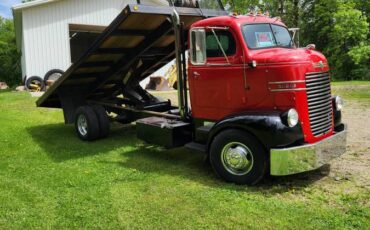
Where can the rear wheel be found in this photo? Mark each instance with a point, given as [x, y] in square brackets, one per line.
[238, 157]
[103, 119]
[87, 124]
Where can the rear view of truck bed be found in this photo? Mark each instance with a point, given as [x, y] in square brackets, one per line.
[136, 44]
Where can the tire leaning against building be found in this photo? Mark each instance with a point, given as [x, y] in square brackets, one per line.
[35, 80]
[53, 75]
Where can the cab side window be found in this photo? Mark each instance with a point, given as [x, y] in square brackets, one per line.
[225, 38]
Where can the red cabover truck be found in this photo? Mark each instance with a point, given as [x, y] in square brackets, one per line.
[258, 105]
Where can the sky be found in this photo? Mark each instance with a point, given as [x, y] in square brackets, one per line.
[5, 7]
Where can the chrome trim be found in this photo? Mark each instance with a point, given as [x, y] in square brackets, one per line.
[319, 103]
[217, 28]
[319, 98]
[321, 112]
[315, 83]
[324, 129]
[285, 82]
[82, 125]
[218, 64]
[316, 94]
[321, 86]
[287, 161]
[316, 89]
[322, 123]
[313, 80]
[314, 74]
[287, 90]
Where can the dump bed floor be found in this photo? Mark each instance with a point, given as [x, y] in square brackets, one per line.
[136, 44]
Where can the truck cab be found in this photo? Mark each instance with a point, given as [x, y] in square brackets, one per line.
[247, 77]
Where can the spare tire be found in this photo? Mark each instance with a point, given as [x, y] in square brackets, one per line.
[53, 75]
[35, 84]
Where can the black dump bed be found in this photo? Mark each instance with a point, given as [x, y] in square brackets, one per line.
[136, 44]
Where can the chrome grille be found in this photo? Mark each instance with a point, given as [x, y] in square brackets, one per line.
[319, 102]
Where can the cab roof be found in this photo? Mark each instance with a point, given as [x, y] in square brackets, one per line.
[238, 20]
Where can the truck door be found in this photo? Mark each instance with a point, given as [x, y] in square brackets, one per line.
[215, 74]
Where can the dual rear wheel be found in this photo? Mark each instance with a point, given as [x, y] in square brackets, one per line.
[92, 123]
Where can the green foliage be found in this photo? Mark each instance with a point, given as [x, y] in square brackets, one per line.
[10, 71]
[348, 48]
[339, 28]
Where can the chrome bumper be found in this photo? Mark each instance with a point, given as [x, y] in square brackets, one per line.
[308, 157]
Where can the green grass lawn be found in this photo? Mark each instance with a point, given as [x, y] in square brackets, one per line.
[49, 179]
[359, 90]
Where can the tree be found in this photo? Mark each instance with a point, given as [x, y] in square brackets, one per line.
[339, 28]
[348, 48]
[9, 56]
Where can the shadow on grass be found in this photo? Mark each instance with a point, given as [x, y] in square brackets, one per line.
[61, 143]
[185, 164]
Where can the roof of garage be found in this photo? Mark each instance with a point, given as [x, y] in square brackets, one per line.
[22, 6]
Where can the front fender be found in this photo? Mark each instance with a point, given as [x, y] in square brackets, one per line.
[267, 127]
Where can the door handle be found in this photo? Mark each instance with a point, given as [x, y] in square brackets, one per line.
[196, 74]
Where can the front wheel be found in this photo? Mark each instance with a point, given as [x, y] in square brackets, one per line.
[238, 157]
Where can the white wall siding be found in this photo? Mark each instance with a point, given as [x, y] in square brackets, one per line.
[46, 30]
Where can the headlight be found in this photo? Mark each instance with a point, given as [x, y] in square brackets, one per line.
[292, 118]
[339, 103]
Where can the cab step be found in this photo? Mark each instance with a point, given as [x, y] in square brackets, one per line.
[202, 132]
[196, 147]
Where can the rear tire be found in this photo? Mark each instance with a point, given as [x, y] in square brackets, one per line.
[238, 157]
[103, 119]
[87, 124]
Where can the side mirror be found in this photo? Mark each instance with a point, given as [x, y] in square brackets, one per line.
[311, 47]
[198, 54]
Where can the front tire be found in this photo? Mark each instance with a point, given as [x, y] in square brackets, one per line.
[238, 157]
[87, 124]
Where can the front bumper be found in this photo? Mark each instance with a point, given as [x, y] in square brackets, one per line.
[287, 161]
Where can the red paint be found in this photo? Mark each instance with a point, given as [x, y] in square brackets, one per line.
[218, 91]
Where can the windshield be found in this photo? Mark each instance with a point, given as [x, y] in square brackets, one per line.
[266, 36]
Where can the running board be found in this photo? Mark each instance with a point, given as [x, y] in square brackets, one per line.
[196, 147]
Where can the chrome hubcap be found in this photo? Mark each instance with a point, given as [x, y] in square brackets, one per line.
[82, 125]
[237, 158]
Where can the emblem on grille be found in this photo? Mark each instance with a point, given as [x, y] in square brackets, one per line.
[320, 64]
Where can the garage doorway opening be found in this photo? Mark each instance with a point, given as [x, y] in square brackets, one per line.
[81, 37]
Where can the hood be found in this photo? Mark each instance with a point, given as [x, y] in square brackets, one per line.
[286, 56]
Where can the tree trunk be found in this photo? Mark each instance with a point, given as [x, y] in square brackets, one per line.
[296, 13]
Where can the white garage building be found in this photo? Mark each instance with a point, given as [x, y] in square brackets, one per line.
[52, 34]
